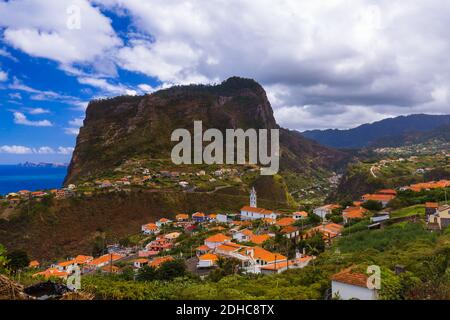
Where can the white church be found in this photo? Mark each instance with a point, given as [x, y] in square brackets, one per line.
[252, 212]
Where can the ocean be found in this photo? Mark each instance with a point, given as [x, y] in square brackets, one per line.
[14, 178]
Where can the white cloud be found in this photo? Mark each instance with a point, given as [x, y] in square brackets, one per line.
[72, 131]
[40, 28]
[77, 122]
[20, 118]
[15, 149]
[106, 87]
[65, 150]
[35, 111]
[385, 57]
[3, 76]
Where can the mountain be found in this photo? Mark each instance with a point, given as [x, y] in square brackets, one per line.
[367, 134]
[440, 135]
[123, 128]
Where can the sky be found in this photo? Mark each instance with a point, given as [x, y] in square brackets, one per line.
[324, 63]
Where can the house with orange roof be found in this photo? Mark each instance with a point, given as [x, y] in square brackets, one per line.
[243, 235]
[82, 260]
[353, 213]
[212, 217]
[284, 222]
[349, 285]
[181, 217]
[103, 260]
[325, 210]
[162, 222]
[290, 232]
[207, 260]
[140, 263]
[382, 198]
[202, 249]
[159, 244]
[261, 257]
[297, 263]
[157, 262]
[216, 240]
[150, 229]
[34, 264]
[110, 269]
[431, 208]
[391, 192]
[253, 213]
[299, 215]
[328, 230]
[66, 266]
[172, 236]
[52, 273]
[199, 217]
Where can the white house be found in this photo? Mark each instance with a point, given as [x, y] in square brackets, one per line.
[149, 229]
[207, 260]
[162, 222]
[324, 210]
[252, 212]
[347, 285]
[243, 235]
[222, 218]
[216, 240]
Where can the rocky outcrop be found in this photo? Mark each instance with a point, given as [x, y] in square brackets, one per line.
[125, 127]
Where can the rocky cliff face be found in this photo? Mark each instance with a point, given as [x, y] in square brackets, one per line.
[125, 127]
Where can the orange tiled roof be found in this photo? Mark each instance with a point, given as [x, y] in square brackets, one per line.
[105, 258]
[203, 248]
[354, 212]
[80, 259]
[198, 214]
[229, 246]
[182, 216]
[388, 191]
[301, 213]
[283, 222]
[256, 210]
[66, 263]
[164, 220]
[150, 226]
[141, 260]
[209, 256]
[262, 254]
[433, 205]
[157, 262]
[348, 277]
[289, 229]
[34, 264]
[378, 197]
[218, 238]
[259, 239]
[51, 272]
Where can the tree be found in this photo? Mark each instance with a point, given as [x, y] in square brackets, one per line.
[372, 205]
[225, 267]
[3, 259]
[18, 260]
[147, 273]
[170, 270]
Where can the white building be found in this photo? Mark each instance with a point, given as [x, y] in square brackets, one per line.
[252, 212]
[347, 285]
[324, 210]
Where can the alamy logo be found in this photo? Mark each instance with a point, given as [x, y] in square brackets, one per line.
[229, 150]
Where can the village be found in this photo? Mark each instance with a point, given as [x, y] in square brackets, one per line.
[249, 238]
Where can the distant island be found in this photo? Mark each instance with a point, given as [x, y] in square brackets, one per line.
[43, 165]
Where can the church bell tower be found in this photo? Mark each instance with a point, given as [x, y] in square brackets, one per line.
[253, 202]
